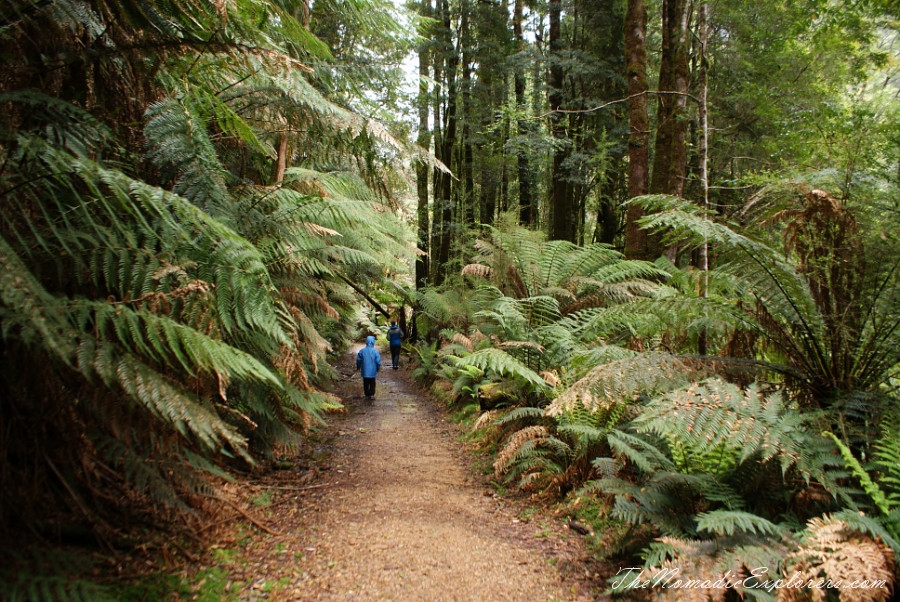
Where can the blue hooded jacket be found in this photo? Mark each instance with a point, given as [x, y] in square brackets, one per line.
[368, 360]
[395, 335]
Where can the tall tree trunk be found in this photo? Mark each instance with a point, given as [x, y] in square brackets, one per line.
[443, 195]
[607, 217]
[670, 158]
[437, 175]
[639, 125]
[703, 151]
[467, 200]
[563, 219]
[527, 209]
[422, 171]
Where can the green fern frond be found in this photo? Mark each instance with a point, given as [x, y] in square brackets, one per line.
[31, 312]
[501, 363]
[180, 146]
[623, 380]
[714, 418]
[48, 576]
[888, 533]
[163, 398]
[643, 454]
[727, 522]
[168, 342]
[869, 485]
[521, 413]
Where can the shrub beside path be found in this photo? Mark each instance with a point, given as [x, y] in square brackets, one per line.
[393, 513]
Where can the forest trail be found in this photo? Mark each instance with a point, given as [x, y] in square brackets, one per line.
[394, 514]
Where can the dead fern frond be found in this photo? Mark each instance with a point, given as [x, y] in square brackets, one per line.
[461, 339]
[552, 378]
[861, 568]
[478, 270]
[521, 345]
[682, 570]
[486, 420]
[515, 442]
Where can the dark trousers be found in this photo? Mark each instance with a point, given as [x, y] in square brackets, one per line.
[395, 355]
[369, 386]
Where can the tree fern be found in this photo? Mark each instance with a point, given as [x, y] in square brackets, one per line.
[831, 322]
[151, 266]
[501, 363]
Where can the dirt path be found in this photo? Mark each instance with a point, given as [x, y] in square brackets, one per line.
[395, 515]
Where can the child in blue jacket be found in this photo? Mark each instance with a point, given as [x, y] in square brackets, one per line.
[368, 360]
[395, 338]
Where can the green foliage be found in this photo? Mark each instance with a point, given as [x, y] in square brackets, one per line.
[823, 307]
[727, 522]
[48, 576]
[499, 362]
[624, 380]
[879, 484]
[869, 486]
[705, 453]
[576, 277]
[713, 426]
[168, 293]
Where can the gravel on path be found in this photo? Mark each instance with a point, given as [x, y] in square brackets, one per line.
[395, 514]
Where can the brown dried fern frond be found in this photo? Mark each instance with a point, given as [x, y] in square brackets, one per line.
[515, 443]
[698, 573]
[621, 381]
[859, 567]
[461, 339]
[291, 364]
[550, 377]
[585, 302]
[319, 230]
[478, 270]
[306, 300]
[486, 420]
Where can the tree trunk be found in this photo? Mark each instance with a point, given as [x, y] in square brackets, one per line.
[527, 209]
[281, 165]
[639, 130]
[422, 170]
[563, 219]
[467, 199]
[443, 195]
[670, 158]
[703, 151]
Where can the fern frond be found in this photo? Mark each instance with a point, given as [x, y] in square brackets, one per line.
[727, 522]
[832, 550]
[530, 435]
[521, 413]
[501, 363]
[717, 424]
[643, 454]
[869, 486]
[623, 380]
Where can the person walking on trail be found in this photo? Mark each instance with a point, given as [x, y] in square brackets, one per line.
[395, 338]
[368, 360]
